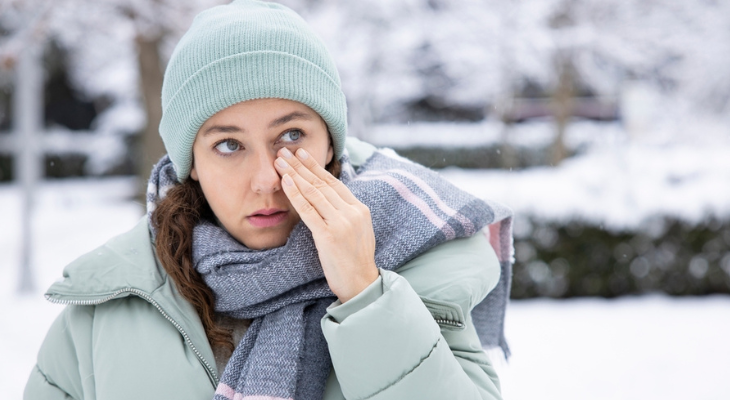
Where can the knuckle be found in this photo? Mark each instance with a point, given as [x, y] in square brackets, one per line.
[296, 164]
[292, 172]
[310, 191]
[318, 183]
[309, 162]
[330, 180]
[306, 208]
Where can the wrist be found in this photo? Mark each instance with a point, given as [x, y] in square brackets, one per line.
[358, 284]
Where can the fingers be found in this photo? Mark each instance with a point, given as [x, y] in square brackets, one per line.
[302, 191]
[311, 184]
[306, 211]
[319, 172]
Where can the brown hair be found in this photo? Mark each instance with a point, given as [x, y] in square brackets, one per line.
[174, 219]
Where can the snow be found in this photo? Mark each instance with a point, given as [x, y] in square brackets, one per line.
[468, 53]
[616, 181]
[72, 217]
[486, 133]
[652, 347]
[472, 52]
[630, 348]
[619, 188]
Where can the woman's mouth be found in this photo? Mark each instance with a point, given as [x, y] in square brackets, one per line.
[268, 217]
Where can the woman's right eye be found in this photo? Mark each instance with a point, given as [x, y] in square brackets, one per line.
[228, 146]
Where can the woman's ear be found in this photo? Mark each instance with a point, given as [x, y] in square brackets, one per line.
[330, 150]
[193, 172]
[330, 154]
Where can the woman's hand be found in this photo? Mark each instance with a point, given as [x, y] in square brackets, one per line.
[341, 225]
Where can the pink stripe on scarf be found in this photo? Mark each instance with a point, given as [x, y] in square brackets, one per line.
[494, 235]
[225, 391]
[411, 197]
[228, 392]
[468, 226]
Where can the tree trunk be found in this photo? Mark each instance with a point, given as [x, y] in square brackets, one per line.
[28, 126]
[562, 104]
[150, 146]
[508, 155]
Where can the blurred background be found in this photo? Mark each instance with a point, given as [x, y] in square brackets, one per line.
[604, 125]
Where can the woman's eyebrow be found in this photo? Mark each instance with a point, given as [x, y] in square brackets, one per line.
[279, 121]
[222, 129]
[289, 117]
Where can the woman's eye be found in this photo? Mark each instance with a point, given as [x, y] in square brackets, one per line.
[227, 146]
[292, 135]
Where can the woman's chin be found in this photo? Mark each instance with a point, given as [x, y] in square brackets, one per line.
[265, 238]
[258, 244]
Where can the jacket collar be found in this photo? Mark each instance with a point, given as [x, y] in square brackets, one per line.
[127, 266]
[125, 261]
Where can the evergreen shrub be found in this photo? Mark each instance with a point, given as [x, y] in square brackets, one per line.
[580, 259]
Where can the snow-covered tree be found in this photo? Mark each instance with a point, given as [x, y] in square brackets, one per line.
[117, 50]
[471, 53]
[465, 57]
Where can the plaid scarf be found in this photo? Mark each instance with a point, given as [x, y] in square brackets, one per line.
[283, 354]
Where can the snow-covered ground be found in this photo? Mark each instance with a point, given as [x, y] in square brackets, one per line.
[618, 188]
[72, 217]
[652, 347]
[641, 348]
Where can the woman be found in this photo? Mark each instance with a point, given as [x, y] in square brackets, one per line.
[257, 273]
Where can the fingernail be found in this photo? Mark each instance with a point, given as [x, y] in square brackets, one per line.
[281, 163]
[302, 154]
[286, 152]
[287, 180]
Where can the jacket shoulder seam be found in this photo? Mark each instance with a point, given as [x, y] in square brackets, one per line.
[49, 381]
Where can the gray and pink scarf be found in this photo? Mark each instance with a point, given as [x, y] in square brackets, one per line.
[283, 354]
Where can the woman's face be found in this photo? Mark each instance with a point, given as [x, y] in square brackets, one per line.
[233, 159]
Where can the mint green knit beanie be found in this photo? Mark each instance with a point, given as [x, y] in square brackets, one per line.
[243, 51]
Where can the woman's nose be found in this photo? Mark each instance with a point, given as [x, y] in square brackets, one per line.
[265, 179]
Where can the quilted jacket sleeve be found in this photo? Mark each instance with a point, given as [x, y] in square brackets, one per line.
[60, 366]
[385, 343]
[38, 387]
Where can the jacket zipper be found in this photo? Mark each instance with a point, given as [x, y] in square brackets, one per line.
[149, 299]
[450, 323]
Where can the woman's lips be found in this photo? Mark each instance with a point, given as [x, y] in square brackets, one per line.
[267, 218]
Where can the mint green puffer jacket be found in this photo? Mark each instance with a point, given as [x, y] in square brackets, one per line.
[127, 333]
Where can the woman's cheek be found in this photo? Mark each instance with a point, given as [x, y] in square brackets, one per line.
[319, 154]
